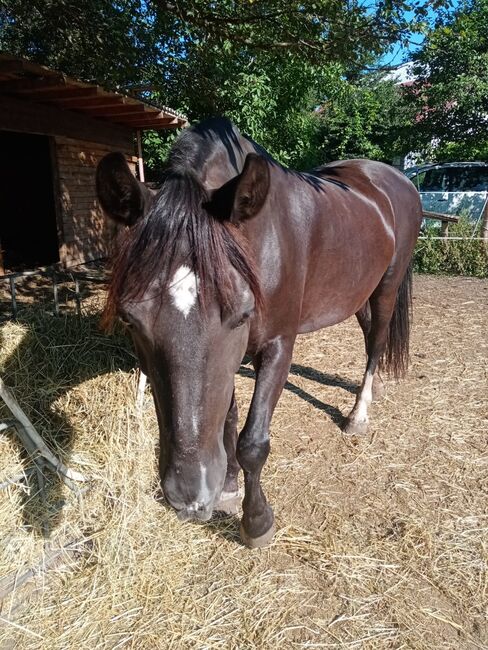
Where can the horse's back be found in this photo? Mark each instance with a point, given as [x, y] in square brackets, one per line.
[392, 194]
[345, 223]
[377, 181]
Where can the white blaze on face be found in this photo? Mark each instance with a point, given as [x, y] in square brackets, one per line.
[183, 289]
[195, 426]
[204, 492]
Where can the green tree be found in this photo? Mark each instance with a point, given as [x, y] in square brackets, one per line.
[364, 118]
[451, 94]
[267, 64]
[95, 40]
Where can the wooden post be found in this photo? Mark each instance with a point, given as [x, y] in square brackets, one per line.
[484, 225]
[77, 296]
[141, 384]
[13, 295]
[444, 228]
[140, 160]
[55, 295]
[2, 269]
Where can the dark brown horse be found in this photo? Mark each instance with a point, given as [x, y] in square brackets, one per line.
[234, 254]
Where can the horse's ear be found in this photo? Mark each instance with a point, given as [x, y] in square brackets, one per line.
[122, 197]
[244, 195]
[252, 188]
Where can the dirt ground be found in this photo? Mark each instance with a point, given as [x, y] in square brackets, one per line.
[381, 543]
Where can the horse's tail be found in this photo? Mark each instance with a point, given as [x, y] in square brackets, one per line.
[395, 358]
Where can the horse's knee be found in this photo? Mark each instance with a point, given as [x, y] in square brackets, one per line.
[232, 416]
[252, 453]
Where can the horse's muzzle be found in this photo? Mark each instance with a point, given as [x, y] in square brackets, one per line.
[196, 510]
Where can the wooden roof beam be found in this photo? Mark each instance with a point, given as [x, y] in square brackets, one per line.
[10, 66]
[112, 110]
[96, 100]
[156, 125]
[155, 118]
[20, 86]
[64, 93]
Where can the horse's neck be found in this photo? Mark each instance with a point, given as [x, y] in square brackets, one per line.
[225, 162]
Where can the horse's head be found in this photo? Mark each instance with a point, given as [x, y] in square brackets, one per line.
[185, 285]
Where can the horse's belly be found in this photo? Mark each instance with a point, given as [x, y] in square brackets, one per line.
[334, 296]
[327, 314]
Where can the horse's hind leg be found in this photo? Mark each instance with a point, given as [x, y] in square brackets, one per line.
[230, 498]
[388, 336]
[364, 320]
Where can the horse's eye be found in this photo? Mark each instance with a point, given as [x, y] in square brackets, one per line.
[125, 322]
[242, 319]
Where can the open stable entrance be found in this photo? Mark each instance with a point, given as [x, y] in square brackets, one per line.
[28, 225]
[53, 132]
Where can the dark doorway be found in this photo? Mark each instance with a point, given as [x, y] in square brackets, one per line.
[28, 230]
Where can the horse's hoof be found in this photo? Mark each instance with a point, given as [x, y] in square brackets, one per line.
[257, 542]
[354, 428]
[229, 503]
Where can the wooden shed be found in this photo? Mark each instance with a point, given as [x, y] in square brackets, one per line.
[53, 132]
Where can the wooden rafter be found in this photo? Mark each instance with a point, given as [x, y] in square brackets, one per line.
[20, 86]
[87, 102]
[25, 80]
[148, 117]
[109, 111]
[65, 93]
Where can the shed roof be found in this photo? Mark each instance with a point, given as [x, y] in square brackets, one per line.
[24, 79]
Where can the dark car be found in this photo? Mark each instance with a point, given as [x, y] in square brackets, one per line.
[458, 188]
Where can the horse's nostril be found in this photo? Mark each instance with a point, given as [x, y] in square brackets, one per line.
[196, 507]
[195, 510]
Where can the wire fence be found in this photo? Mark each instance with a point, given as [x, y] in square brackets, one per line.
[57, 275]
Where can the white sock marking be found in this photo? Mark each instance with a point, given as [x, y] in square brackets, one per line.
[183, 289]
[365, 398]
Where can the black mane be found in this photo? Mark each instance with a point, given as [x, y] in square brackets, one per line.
[177, 224]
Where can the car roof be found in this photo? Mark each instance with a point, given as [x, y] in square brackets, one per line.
[422, 168]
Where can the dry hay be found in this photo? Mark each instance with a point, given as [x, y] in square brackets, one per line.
[382, 542]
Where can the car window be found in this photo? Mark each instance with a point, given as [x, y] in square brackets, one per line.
[434, 181]
[418, 180]
[473, 180]
[453, 179]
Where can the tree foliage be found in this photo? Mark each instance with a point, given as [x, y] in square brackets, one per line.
[451, 94]
[95, 40]
[364, 118]
[318, 30]
[267, 64]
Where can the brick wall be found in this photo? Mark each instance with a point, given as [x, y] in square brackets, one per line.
[86, 233]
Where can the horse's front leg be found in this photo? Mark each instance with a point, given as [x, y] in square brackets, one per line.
[272, 366]
[230, 498]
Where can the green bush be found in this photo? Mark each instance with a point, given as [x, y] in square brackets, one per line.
[451, 257]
